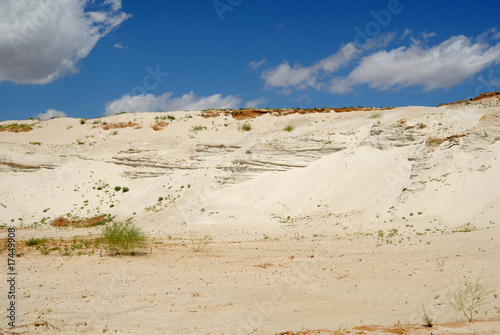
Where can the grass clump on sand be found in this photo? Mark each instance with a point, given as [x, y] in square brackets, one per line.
[123, 238]
[16, 128]
[245, 127]
[197, 128]
[200, 243]
[375, 116]
[288, 128]
[97, 220]
[36, 241]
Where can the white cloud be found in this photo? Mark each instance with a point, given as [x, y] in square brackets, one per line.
[256, 103]
[115, 4]
[426, 36]
[285, 76]
[51, 113]
[256, 65]
[43, 41]
[165, 102]
[119, 46]
[447, 64]
[432, 67]
[300, 77]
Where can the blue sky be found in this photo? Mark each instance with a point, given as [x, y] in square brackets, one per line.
[101, 57]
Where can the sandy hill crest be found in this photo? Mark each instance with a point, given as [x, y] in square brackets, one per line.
[366, 164]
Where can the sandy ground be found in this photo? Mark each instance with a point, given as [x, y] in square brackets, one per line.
[352, 222]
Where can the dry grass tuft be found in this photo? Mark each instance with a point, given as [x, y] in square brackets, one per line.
[16, 128]
[81, 222]
[119, 125]
[159, 126]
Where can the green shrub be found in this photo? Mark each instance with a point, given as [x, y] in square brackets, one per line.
[245, 127]
[36, 241]
[45, 250]
[288, 128]
[470, 298]
[36, 143]
[117, 188]
[125, 189]
[198, 128]
[123, 238]
[376, 116]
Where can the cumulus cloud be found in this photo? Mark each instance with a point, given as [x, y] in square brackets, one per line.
[442, 66]
[165, 102]
[51, 113]
[300, 77]
[42, 41]
[430, 67]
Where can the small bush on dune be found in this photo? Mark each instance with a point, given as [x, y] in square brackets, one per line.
[428, 321]
[36, 241]
[200, 243]
[197, 128]
[123, 238]
[245, 127]
[470, 298]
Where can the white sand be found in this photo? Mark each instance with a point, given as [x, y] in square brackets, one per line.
[319, 193]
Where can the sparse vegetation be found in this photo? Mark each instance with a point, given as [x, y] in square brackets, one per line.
[428, 321]
[440, 264]
[107, 126]
[288, 128]
[245, 127]
[470, 299]
[123, 238]
[16, 128]
[35, 241]
[375, 115]
[97, 220]
[197, 128]
[200, 243]
[159, 125]
[36, 143]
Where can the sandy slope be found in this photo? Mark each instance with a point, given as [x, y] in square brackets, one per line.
[295, 219]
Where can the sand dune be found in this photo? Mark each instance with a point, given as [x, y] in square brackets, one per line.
[296, 217]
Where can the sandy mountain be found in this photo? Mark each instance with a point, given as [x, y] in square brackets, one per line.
[318, 219]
